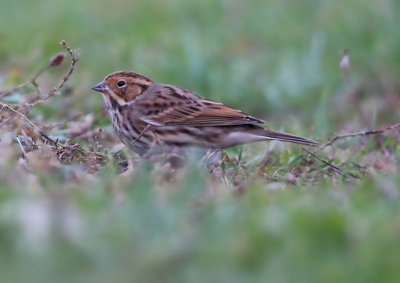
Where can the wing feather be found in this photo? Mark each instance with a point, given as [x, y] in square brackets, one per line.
[169, 105]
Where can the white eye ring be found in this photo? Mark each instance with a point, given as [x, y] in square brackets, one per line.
[121, 83]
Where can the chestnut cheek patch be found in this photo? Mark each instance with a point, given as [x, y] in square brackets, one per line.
[131, 92]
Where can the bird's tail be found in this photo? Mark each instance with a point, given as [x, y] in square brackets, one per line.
[273, 135]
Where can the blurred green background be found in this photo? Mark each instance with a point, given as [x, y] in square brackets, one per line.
[278, 60]
[274, 59]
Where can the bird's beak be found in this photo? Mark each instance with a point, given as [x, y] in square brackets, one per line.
[100, 87]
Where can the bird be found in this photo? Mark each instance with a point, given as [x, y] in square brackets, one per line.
[154, 118]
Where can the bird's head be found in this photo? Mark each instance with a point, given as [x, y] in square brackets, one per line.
[123, 86]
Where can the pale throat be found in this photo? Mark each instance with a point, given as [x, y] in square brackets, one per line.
[111, 98]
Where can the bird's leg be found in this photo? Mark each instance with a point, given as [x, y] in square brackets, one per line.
[151, 151]
[158, 141]
[153, 146]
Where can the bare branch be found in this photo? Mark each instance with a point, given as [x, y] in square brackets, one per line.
[357, 134]
[349, 135]
[31, 81]
[19, 114]
[65, 152]
[53, 91]
[22, 147]
[335, 168]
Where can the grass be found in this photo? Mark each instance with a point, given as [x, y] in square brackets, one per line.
[266, 212]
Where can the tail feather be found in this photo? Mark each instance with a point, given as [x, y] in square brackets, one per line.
[273, 135]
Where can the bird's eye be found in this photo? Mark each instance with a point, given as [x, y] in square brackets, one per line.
[121, 83]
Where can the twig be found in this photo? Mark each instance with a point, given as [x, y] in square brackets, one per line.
[335, 168]
[141, 134]
[48, 139]
[22, 148]
[31, 81]
[29, 122]
[51, 92]
[42, 133]
[2, 107]
[363, 169]
[65, 152]
[25, 108]
[357, 134]
[54, 61]
[338, 137]
[19, 114]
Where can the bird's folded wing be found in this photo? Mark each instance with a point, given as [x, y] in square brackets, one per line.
[175, 106]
